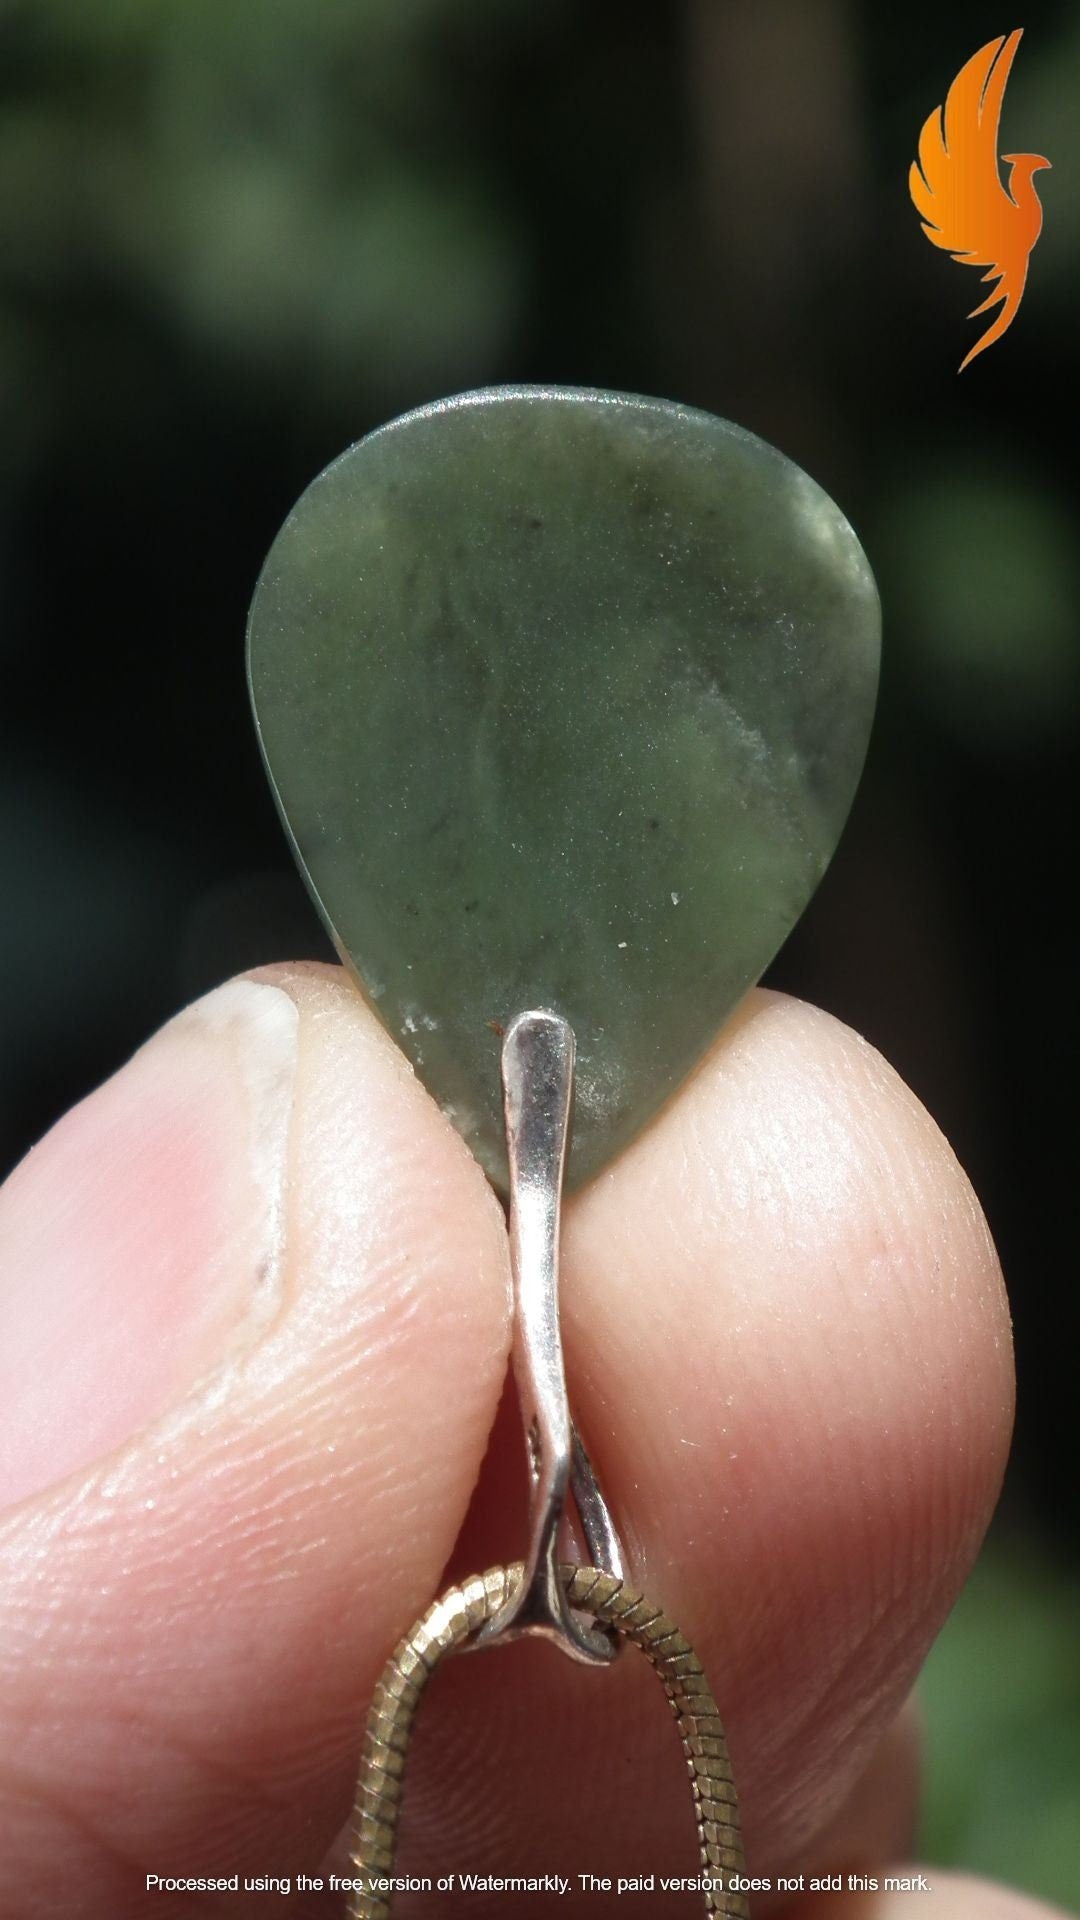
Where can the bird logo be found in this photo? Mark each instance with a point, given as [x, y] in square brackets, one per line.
[956, 186]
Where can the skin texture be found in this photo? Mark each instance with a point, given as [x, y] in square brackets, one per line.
[268, 1289]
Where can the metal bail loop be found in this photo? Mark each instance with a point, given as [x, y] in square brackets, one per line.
[538, 1085]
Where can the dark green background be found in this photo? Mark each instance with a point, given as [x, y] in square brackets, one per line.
[234, 238]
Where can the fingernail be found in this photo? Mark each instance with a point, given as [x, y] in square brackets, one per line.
[142, 1243]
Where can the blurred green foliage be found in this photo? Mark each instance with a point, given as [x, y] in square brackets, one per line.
[978, 568]
[1001, 1692]
[1042, 97]
[297, 190]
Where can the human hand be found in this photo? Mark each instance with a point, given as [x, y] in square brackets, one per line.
[255, 1328]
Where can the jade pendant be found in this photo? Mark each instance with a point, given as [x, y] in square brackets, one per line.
[564, 697]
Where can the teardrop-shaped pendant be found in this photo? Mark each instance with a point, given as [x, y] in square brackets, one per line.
[564, 697]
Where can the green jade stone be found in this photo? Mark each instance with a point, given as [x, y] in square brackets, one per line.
[564, 697]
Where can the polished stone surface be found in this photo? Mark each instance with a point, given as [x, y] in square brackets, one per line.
[564, 696]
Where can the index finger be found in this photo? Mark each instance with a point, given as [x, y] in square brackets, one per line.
[788, 1348]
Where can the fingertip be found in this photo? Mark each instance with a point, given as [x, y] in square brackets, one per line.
[141, 1237]
[788, 1338]
[223, 1578]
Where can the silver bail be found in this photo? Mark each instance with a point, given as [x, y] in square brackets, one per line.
[538, 1084]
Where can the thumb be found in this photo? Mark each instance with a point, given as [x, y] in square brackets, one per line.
[254, 1320]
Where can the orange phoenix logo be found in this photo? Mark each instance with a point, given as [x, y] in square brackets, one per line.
[956, 186]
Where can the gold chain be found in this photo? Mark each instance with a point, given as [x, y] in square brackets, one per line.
[447, 1623]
